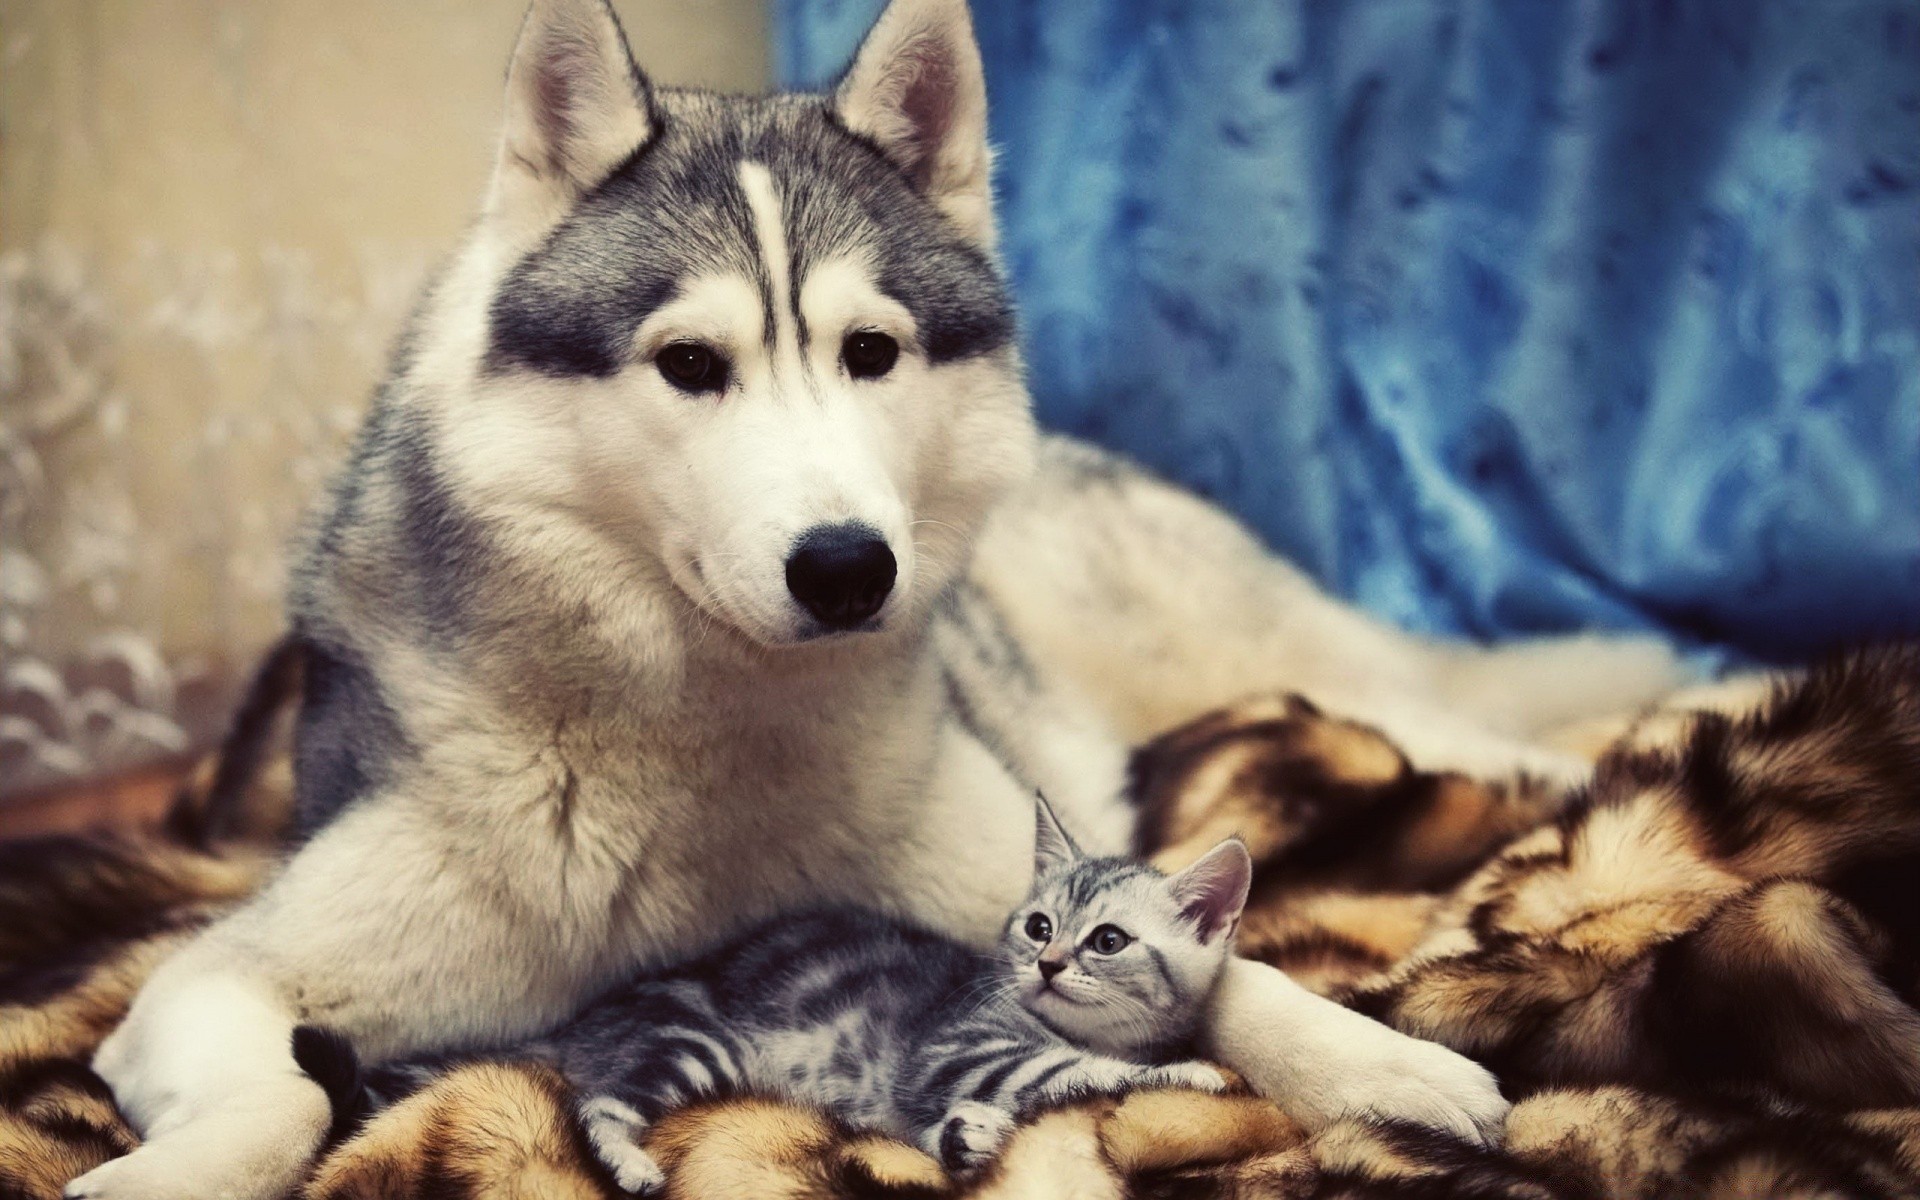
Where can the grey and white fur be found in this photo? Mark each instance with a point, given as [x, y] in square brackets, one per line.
[1098, 985]
[702, 520]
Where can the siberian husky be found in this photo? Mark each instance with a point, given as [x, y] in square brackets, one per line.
[699, 559]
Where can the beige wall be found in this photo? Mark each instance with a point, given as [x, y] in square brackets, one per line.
[213, 214]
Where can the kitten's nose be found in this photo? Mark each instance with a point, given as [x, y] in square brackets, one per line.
[1049, 967]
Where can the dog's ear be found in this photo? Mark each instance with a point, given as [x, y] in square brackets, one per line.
[576, 108]
[917, 89]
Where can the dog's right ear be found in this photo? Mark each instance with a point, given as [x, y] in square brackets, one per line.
[577, 107]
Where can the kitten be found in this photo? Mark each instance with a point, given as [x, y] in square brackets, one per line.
[1097, 986]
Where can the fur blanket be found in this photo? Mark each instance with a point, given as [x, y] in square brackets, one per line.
[1698, 976]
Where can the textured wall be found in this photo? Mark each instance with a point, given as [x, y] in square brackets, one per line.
[213, 214]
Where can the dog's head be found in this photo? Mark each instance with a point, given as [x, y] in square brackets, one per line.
[762, 342]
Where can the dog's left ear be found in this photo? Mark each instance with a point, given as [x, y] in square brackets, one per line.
[917, 89]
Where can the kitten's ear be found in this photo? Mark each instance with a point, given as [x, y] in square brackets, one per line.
[917, 89]
[576, 108]
[1212, 892]
[1052, 848]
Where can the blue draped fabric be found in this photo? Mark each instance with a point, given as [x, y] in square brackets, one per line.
[1501, 316]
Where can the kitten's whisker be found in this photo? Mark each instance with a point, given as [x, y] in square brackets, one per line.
[1002, 991]
[976, 994]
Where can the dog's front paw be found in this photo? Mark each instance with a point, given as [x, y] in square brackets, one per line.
[1387, 1074]
[98, 1184]
[1321, 1062]
[254, 1145]
[971, 1134]
[170, 1168]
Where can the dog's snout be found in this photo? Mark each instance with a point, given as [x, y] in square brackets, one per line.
[841, 573]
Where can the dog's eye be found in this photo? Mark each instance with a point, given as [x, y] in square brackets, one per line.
[1108, 939]
[1039, 928]
[869, 355]
[692, 367]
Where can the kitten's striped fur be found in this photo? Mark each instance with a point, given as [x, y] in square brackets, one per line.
[901, 1030]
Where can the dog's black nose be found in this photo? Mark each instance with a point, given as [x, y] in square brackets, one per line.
[1049, 967]
[841, 573]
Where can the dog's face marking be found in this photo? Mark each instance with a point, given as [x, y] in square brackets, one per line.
[781, 335]
[753, 323]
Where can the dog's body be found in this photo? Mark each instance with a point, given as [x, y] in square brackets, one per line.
[564, 714]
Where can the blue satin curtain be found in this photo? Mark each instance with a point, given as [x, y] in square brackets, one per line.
[1501, 316]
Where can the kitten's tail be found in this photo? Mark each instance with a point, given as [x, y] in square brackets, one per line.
[328, 1059]
[356, 1093]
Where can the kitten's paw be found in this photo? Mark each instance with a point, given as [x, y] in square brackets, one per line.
[614, 1128]
[1203, 1077]
[972, 1134]
[635, 1170]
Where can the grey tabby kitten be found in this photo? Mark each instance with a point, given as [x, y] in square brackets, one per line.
[1097, 987]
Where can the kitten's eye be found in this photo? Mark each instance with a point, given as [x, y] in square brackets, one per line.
[869, 355]
[692, 367]
[1108, 939]
[1039, 928]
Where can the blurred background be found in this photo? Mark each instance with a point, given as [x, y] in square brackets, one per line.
[1501, 316]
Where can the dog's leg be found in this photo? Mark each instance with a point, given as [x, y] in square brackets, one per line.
[1435, 739]
[377, 928]
[203, 1066]
[1320, 1061]
[1532, 686]
[1664, 724]
[1160, 606]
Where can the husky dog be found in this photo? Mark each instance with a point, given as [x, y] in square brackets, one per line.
[1099, 982]
[699, 561]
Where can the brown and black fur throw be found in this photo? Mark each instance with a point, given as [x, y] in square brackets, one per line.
[1699, 977]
